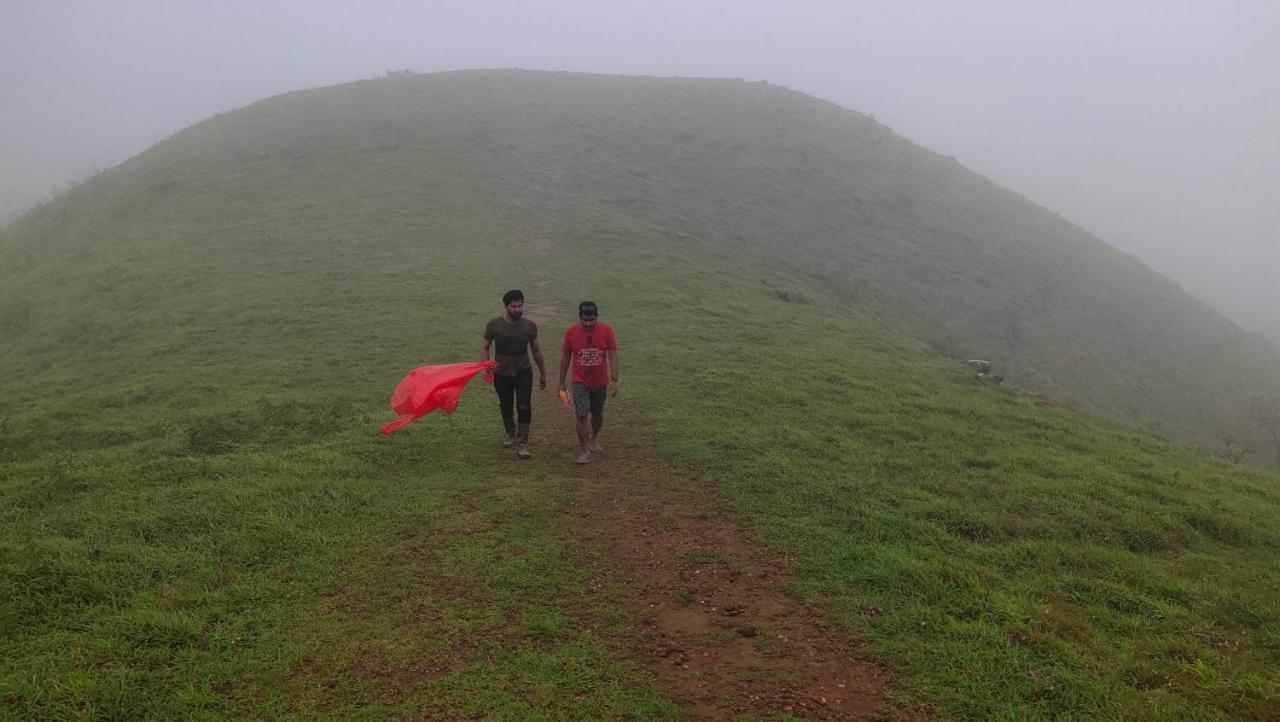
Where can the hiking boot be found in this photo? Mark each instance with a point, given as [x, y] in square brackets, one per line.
[584, 457]
[509, 440]
[523, 452]
[595, 446]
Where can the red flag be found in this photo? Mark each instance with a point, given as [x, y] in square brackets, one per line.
[428, 388]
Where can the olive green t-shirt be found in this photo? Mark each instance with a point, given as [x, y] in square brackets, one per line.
[511, 343]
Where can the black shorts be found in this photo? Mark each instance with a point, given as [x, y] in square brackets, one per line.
[585, 399]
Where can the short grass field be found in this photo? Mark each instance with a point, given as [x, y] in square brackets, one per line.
[198, 518]
[221, 532]
[1011, 557]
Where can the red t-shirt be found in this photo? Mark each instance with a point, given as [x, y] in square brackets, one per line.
[590, 367]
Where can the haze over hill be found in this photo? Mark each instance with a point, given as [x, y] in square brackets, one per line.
[199, 519]
[1146, 123]
[756, 171]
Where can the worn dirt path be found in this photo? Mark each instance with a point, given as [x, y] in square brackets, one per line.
[711, 620]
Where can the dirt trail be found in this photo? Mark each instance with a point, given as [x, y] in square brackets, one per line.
[711, 620]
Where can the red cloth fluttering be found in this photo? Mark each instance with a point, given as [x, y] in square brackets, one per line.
[428, 388]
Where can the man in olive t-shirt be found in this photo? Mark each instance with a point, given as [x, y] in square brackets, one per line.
[514, 336]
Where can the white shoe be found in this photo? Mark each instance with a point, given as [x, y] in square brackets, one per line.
[595, 446]
[584, 457]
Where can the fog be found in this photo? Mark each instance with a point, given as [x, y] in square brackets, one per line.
[1154, 124]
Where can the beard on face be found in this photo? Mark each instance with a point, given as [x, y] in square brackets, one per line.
[515, 315]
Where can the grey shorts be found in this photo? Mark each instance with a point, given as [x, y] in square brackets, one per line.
[585, 399]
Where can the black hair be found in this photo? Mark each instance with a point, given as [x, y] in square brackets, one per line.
[588, 308]
[512, 295]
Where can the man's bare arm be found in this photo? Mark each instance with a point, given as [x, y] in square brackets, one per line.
[484, 350]
[613, 371]
[564, 366]
[537, 359]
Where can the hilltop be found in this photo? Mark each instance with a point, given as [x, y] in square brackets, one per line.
[753, 171]
[198, 518]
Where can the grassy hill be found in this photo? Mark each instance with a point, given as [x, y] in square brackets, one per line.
[752, 171]
[198, 519]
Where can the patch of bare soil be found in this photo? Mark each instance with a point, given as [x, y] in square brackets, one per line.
[713, 622]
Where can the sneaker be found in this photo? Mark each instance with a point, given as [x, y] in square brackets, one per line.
[522, 452]
[508, 441]
[595, 446]
[584, 457]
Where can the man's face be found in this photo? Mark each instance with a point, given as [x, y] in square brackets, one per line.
[515, 310]
[588, 322]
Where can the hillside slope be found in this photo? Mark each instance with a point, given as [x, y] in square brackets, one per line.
[197, 517]
[748, 170]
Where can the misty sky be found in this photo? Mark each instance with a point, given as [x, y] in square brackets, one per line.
[1154, 124]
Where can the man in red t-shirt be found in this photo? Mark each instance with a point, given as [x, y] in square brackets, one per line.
[593, 351]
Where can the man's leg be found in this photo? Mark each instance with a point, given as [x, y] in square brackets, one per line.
[582, 409]
[524, 411]
[584, 433]
[597, 417]
[505, 386]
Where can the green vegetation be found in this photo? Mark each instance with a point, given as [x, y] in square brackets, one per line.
[197, 517]
[726, 167]
[1012, 558]
[205, 522]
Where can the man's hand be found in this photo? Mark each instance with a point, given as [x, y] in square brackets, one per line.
[613, 388]
[542, 382]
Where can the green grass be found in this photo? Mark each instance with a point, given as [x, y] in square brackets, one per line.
[353, 577]
[197, 518]
[725, 167]
[205, 523]
[1012, 558]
